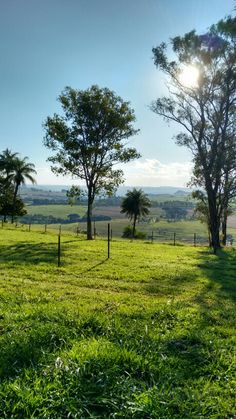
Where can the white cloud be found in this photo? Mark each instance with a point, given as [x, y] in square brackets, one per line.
[145, 172]
[151, 172]
[46, 177]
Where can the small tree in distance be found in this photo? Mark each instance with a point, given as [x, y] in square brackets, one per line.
[89, 140]
[135, 205]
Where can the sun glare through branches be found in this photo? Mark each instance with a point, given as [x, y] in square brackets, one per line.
[189, 76]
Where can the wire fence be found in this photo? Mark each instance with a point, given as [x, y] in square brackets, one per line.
[56, 246]
[169, 236]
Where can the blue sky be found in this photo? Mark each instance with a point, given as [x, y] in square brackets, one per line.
[46, 45]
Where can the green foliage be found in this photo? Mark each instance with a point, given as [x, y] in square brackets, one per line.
[149, 333]
[135, 205]
[175, 210]
[205, 111]
[50, 219]
[89, 139]
[13, 173]
[128, 233]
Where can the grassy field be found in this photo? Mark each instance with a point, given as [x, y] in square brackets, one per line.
[148, 333]
[56, 210]
[162, 230]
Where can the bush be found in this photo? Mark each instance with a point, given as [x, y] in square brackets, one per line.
[128, 233]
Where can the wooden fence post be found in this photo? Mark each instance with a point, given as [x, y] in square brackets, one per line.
[152, 236]
[194, 239]
[59, 251]
[108, 240]
[174, 238]
[94, 230]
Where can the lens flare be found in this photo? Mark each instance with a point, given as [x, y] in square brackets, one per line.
[189, 76]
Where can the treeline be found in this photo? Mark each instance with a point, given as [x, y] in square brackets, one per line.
[45, 201]
[99, 202]
[50, 219]
[175, 210]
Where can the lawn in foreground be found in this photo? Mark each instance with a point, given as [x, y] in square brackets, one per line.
[148, 333]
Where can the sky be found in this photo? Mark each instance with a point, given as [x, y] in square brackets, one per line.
[46, 45]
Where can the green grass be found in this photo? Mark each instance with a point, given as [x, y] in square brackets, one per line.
[149, 333]
[56, 210]
[162, 230]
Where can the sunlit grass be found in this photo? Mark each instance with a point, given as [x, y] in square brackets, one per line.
[148, 333]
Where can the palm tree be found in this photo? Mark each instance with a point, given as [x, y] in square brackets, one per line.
[135, 205]
[14, 171]
[23, 170]
[7, 163]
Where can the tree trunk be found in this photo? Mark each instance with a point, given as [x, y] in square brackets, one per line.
[224, 227]
[214, 230]
[134, 225]
[89, 216]
[214, 222]
[14, 202]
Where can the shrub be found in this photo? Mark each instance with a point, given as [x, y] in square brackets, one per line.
[128, 233]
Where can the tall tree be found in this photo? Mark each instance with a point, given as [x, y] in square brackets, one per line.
[135, 205]
[14, 172]
[89, 139]
[23, 170]
[202, 100]
[7, 163]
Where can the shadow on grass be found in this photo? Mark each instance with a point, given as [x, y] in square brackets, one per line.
[195, 350]
[95, 266]
[28, 346]
[220, 270]
[29, 253]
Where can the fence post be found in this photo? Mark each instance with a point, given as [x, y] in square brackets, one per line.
[194, 239]
[94, 230]
[174, 238]
[59, 251]
[108, 240]
[59, 230]
[152, 236]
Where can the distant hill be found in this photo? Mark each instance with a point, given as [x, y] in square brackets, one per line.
[150, 190]
[156, 190]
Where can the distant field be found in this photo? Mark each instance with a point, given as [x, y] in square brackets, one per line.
[162, 230]
[149, 333]
[63, 210]
[56, 210]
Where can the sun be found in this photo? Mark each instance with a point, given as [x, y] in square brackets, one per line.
[189, 76]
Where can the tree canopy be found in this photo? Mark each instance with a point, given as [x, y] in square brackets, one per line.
[14, 171]
[135, 205]
[90, 138]
[205, 110]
